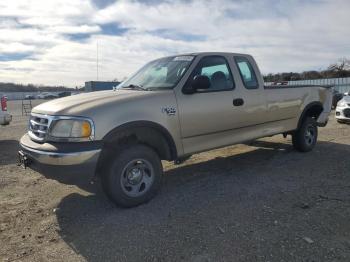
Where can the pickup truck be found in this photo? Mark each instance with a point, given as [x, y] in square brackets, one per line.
[5, 117]
[171, 108]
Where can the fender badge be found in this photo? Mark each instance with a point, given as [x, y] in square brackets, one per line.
[169, 110]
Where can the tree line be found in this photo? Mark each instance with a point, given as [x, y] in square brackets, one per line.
[12, 87]
[335, 70]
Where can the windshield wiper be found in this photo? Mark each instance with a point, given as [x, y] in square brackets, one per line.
[137, 87]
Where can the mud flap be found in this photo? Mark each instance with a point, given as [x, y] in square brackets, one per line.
[23, 159]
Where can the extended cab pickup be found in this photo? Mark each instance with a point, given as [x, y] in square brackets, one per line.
[170, 109]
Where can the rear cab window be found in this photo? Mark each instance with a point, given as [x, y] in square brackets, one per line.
[247, 72]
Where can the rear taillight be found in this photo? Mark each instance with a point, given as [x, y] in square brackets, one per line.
[3, 103]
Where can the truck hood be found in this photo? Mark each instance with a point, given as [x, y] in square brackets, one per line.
[78, 104]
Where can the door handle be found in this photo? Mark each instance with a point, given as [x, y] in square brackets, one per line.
[238, 102]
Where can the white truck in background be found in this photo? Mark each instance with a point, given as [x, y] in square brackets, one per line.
[5, 117]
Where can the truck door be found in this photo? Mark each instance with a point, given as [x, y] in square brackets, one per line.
[210, 111]
[209, 118]
[251, 88]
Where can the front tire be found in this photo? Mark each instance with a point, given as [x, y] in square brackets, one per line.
[133, 176]
[304, 139]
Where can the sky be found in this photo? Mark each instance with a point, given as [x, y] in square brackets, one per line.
[55, 42]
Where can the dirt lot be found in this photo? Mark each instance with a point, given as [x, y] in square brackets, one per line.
[262, 202]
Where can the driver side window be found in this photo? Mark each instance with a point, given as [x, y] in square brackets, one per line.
[217, 70]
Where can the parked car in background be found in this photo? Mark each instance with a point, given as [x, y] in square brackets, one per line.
[64, 94]
[280, 83]
[5, 117]
[337, 96]
[29, 97]
[342, 112]
[47, 95]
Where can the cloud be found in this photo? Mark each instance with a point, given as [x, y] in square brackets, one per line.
[16, 47]
[54, 42]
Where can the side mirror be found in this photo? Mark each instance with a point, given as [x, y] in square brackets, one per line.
[199, 82]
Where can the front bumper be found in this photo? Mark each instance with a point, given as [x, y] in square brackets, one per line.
[61, 154]
[342, 113]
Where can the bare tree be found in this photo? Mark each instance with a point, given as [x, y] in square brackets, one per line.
[341, 67]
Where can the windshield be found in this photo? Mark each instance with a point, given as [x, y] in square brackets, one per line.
[163, 73]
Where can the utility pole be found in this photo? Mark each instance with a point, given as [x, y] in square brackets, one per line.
[97, 60]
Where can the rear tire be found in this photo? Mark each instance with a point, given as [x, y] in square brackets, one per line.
[304, 139]
[133, 175]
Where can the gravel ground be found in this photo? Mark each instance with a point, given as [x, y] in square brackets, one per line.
[257, 202]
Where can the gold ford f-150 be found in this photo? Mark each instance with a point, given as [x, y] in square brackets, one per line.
[170, 109]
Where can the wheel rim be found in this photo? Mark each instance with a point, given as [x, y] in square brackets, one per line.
[310, 135]
[137, 177]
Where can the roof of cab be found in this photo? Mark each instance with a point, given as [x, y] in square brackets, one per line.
[213, 53]
[207, 53]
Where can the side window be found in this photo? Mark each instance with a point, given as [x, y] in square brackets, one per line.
[218, 72]
[247, 73]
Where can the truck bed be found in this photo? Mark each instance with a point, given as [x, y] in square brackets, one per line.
[295, 86]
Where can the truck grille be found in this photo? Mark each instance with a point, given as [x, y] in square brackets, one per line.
[38, 127]
[346, 112]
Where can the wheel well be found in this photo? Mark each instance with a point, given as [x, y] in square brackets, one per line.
[313, 110]
[142, 132]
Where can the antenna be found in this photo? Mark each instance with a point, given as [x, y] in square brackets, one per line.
[97, 60]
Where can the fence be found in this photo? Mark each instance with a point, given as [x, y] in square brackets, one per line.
[341, 84]
[22, 95]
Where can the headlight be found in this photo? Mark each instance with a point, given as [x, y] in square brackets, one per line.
[71, 130]
[341, 103]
